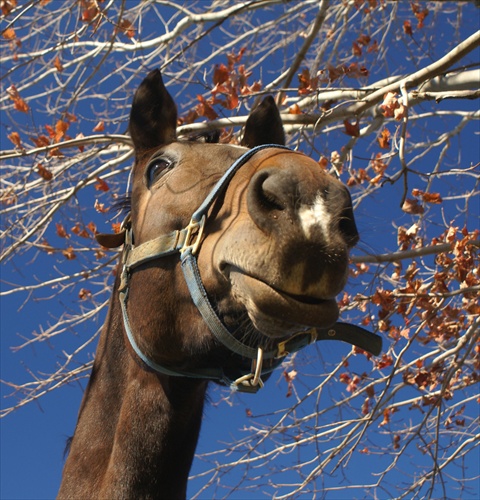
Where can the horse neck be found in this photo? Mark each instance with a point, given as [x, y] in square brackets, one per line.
[137, 431]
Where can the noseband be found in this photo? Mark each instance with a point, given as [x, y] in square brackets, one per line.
[187, 242]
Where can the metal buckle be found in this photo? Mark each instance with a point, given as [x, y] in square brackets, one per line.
[123, 280]
[126, 223]
[194, 235]
[289, 345]
[127, 247]
[252, 382]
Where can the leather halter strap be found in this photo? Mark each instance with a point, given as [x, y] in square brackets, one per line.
[187, 241]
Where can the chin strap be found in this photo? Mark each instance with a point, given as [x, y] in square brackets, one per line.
[186, 242]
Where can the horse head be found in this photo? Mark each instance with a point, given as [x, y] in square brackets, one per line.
[264, 235]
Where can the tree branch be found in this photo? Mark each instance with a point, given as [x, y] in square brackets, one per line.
[408, 254]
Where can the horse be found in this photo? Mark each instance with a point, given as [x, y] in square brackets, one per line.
[232, 258]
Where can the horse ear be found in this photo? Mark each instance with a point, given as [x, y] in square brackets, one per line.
[264, 125]
[153, 118]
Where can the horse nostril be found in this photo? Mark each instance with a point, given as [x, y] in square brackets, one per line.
[339, 201]
[348, 229]
[264, 195]
[346, 222]
[268, 197]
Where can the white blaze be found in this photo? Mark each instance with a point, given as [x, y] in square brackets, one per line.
[315, 215]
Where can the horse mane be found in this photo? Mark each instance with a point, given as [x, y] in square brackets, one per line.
[122, 205]
[68, 444]
[209, 137]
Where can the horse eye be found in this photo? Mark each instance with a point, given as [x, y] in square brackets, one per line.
[157, 168]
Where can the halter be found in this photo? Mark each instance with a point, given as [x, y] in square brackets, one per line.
[186, 242]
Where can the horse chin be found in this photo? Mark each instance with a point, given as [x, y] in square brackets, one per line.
[277, 313]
